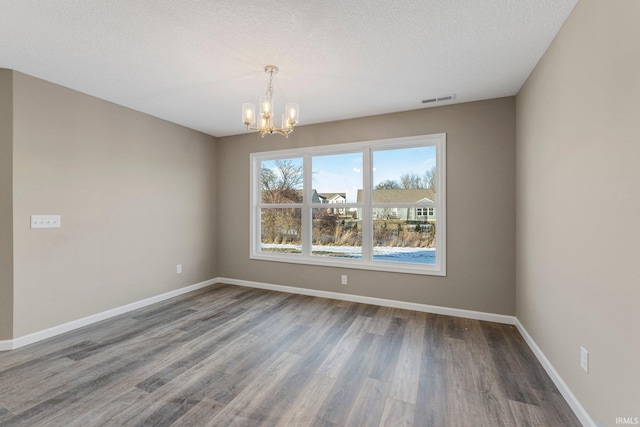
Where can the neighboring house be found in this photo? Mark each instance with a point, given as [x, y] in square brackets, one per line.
[316, 198]
[334, 198]
[295, 196]
[402, 196]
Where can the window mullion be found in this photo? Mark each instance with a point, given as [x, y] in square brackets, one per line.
[256, 224]
[306, 221]
[367, 210]
[441, 207]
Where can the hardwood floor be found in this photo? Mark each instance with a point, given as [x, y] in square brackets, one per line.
[233, 356]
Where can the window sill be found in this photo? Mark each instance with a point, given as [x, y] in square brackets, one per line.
[393, 267]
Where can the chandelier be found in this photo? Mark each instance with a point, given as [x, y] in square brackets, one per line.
[266, 117]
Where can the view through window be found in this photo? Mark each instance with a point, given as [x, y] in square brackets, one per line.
[374, 205]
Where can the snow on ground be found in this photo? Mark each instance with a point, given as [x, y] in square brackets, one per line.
[380, 253]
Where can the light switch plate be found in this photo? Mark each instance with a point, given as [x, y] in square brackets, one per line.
[584, 359]
[45, 221]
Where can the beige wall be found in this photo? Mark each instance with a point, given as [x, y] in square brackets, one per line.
[578, 211]
[137, 196]
[480, 203]
[6, 212]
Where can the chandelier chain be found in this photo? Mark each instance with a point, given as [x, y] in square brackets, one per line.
[269, 92]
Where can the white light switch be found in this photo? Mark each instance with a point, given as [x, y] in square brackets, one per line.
[584, 359]
[45, 221]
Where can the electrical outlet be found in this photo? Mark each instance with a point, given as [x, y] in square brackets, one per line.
[344, 279]
[179, 268]
[584, 359]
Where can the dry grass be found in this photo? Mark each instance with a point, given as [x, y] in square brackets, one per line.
[329, 230]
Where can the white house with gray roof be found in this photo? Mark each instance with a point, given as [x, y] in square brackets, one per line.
[400, 197]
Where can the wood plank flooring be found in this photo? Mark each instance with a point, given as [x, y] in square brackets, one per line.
[233, 356]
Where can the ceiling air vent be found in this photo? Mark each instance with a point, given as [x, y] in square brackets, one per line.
[440, 99]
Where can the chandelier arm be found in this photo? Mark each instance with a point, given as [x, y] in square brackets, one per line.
[271, 130]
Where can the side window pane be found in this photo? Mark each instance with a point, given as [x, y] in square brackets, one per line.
[401, 235]
[404, 183]
[335, 235]
[404, 169]
[336, 178]
[281, 180]
[280, 230]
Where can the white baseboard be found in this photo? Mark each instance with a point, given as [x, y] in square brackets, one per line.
[574, 404]
[85, 321]
[468, 314]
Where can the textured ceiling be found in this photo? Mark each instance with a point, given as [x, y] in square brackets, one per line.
[194, 62]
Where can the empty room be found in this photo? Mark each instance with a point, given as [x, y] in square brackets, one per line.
[414, 213]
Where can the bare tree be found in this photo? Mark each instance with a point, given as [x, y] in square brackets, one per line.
[282, 184]
[388, 184]
[411, 180]
[430, 179]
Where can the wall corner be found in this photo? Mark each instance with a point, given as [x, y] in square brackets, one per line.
[6, 204]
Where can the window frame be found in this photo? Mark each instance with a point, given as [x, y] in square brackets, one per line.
[366, 205]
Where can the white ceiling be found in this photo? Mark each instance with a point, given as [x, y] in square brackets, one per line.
[194, 62]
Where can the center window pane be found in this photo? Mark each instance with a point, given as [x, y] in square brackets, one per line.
[336, 178]
[335, 234]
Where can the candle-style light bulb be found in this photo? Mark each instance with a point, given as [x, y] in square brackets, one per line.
[293, 113]
[266, 106]
[248, 114]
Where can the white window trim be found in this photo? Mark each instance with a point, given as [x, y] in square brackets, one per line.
[366, 262]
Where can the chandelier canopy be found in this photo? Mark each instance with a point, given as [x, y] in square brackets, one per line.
[265, 119]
